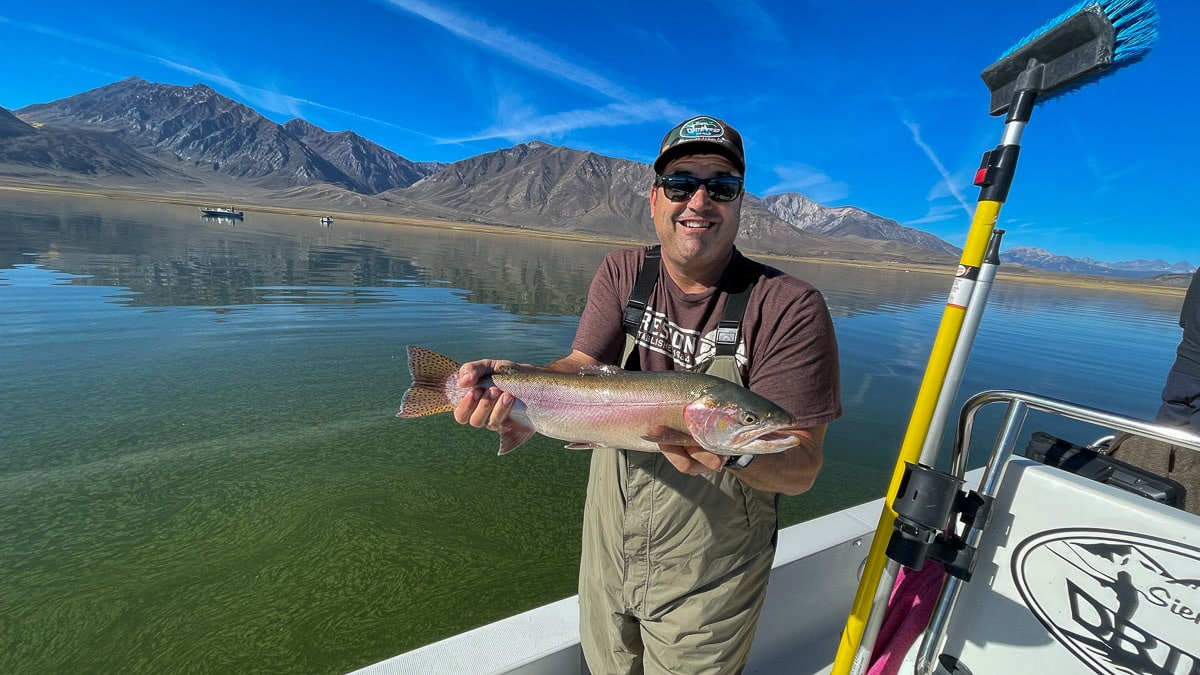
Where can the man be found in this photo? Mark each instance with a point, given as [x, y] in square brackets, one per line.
[678, 544]
[1180, 408]
[1181, 393]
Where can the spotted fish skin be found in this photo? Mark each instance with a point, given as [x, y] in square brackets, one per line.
[611, 408]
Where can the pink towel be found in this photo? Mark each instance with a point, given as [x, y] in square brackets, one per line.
[908, 611]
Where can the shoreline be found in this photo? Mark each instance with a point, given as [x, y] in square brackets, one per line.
[1032, 276]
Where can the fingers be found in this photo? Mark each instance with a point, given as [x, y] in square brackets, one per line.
[692, 460]
[484, 408]
[473, 372]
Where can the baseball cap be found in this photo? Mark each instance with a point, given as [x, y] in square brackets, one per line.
[701, 134]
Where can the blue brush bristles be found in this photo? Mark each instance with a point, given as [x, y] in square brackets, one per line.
[1136, 22]
[1135, 26]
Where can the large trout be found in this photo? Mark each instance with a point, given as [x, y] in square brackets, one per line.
[612, 408]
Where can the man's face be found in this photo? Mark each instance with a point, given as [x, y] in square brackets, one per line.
[696, 234]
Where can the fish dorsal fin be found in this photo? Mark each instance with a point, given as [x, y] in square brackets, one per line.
[600, 370]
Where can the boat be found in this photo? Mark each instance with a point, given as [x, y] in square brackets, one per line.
[1033, 562]
[326, 220]
[220, 212]
[1064, 574]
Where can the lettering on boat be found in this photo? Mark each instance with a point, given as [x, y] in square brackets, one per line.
[1121, 602]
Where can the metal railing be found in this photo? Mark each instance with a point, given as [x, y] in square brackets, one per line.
[1020, 404]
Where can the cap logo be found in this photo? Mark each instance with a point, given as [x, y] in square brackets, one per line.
[702, 127]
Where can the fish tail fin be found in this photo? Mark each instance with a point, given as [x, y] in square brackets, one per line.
[429, 393]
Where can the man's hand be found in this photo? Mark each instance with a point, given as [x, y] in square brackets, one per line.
[692, 459]
[483, 407]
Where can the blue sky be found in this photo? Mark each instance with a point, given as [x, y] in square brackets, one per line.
[877, 105]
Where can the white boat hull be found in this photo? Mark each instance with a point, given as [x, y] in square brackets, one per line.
[790, 640]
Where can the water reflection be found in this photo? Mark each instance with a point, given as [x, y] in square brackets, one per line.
[171, 257]
[220, 469]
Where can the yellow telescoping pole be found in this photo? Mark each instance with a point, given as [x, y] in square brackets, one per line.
[1088, 42]
[849, 659]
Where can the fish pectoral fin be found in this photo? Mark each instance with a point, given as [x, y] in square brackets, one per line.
[583, 446]
[513, 436]
[669, 436]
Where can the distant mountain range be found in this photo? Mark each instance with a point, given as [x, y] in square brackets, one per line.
[139, 136]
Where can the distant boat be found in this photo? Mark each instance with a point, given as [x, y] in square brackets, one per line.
[220, 212]
[326, 220]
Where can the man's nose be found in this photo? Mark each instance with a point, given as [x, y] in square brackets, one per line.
[700, 196]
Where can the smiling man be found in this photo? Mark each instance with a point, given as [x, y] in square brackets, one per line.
[678, 544]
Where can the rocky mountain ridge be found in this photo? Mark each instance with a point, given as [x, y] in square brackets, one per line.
[192, 140]
[1045, 260]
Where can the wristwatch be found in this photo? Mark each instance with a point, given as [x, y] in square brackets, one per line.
[739, 462]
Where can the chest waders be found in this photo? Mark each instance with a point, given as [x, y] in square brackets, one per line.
[674, 567]
[724, 364]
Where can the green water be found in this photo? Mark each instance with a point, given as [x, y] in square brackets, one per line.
[201, 470]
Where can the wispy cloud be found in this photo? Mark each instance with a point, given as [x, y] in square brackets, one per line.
[809, 181]
[523, 126]
[514, 48]
[258, 97]
[1105, 179]
[759, 33]
[937, 213]
[517, 119]
[950, 185]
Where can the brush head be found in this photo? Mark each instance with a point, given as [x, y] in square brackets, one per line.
[1087, 42]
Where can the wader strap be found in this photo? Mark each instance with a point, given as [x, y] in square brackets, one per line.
[629, 356]
[740, 284]
[635, 309]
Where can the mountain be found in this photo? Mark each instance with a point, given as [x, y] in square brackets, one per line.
[167, 139]
[193, 129]
[846, 221]
[539, 186]
[50, 155]
[372, 166]
[10, 125]
[1134, 269]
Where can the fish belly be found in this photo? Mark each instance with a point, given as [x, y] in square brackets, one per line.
[603, 425]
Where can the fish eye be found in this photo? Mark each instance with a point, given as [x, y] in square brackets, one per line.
[749, 418]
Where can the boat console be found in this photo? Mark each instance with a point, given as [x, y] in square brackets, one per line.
[1081, 563]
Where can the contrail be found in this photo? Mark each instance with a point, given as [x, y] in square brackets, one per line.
[915, 129]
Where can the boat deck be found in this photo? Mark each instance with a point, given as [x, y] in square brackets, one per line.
[545, 640]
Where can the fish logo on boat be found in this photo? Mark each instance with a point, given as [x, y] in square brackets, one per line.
[1121, 602]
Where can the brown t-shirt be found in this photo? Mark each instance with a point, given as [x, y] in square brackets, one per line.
[788, 352]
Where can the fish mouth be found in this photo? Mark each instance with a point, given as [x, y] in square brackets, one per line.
[766, 443]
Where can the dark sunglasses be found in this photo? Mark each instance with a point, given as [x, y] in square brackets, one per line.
[680, 188]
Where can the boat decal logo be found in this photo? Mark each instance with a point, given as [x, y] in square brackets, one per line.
[1121, 602]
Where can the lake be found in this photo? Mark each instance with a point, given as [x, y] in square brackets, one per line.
[201, 469]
